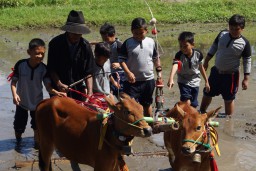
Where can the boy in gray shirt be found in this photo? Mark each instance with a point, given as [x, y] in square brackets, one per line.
[137, 56]
[229, 47]
[102, 71]
[188, 65]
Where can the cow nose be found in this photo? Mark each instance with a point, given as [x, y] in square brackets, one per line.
[185, 150]
[147, 131]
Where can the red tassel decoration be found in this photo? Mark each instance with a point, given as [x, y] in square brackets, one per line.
[122, 165]
[9, 77]
[154, 31]
[213, 163]
[179, 65]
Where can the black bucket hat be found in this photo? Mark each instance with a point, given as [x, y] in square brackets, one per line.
[76, 23]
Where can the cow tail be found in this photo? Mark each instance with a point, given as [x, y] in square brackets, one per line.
[122, 165]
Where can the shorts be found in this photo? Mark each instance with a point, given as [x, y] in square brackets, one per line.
[224, 84]
[189, 93]
[21, 118]
[141, 91]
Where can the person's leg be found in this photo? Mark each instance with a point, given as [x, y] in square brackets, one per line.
[206, 101]
[186, 94]
[145, 99]
[194, 94]
[34, 127]
[215, 83]
[188, 102]
[229, 122]
[229, 107]
[147, 110]
[132, 89]
[20, 122]
[230, 88]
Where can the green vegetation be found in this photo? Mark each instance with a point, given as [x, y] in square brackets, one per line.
[19, 14]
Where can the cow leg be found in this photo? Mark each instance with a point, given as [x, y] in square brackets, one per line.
[45, 153]
[107, 166]
[171, 158]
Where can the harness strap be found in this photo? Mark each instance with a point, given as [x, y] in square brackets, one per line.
[208, 146]
[214, 138]
[130, 124]
[118, 147]
[103, 131]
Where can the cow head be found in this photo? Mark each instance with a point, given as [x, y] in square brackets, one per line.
[128, 116]
[192, 126]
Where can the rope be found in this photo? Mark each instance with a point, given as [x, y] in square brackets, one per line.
[118, 90]
[198, 142]
[130, 124]
[154, 25]
[95, 100]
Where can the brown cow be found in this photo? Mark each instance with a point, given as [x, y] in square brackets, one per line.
[75, 131]
[189, 146]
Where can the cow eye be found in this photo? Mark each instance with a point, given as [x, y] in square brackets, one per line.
[198, 128]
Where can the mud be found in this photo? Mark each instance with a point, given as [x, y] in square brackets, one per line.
[236, 137]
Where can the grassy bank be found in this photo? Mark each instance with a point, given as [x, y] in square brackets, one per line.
[52, 13]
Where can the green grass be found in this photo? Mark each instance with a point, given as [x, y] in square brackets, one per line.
[20, 14]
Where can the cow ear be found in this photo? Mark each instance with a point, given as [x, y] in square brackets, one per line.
[176, 112]
[111, 101]
[213, 113]
[180, 111]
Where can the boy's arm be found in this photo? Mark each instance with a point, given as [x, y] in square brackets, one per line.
[48, 86]
[246, 54]
[206, 61]
[53, 91]
[245, 82]
[203, 73]
[174, 69]
[116, 64]
[247, 70]
[89, 85]
[62, 87]
[16, 97]
[130, 75]
[213, 49]
[115, 83]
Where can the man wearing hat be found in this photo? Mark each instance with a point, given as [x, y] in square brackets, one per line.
[70, 57]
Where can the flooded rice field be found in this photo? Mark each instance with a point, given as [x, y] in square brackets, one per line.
[237, 144]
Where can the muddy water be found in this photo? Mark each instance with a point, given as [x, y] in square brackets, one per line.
[236, 145]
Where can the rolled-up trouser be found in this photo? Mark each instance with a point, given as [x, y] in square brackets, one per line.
[21, 118]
